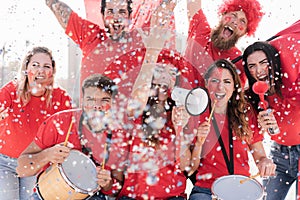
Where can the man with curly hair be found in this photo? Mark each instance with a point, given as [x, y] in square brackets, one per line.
[237, 18]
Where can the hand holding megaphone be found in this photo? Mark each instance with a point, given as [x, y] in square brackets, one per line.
[260, 88]
[195, 100]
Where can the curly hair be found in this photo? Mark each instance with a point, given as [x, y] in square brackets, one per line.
[238, 107]
[251, 8]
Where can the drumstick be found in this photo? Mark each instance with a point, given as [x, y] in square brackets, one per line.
[212, 110]
[68, 133]
[104, 153]
[249, 178]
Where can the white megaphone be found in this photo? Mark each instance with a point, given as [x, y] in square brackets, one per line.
[195, 100]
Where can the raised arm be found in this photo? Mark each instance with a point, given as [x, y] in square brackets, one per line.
[193, 6]
[154, 41]
[61, 11]
[180, 118]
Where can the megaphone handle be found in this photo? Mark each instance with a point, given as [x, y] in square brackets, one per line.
[263, 105]
[263, 102]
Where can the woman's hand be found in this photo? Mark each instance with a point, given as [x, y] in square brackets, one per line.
[180, 116]
[266, 167]
[267, 120]
[202, 132]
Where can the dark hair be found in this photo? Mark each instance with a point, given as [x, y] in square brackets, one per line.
[237, 105]
[154, 109]
[102, 82]
[129, 6]
[274, 69]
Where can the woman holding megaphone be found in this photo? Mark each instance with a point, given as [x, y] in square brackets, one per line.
[224, 137]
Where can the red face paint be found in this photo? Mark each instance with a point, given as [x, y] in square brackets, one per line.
[49, 74]
[241, 28]
[106, 107]
[227, 19]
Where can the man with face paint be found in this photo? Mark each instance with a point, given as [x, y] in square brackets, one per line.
[238, 18]
[111, 51]
[25, 103]
[93, 132]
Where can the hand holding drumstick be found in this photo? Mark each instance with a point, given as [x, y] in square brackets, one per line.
[104, 178]
[204, 128]
[59, 152]
[249, 178]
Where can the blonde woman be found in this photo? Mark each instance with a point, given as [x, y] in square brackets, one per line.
[25, 103]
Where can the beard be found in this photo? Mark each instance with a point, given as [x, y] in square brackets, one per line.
[96, 120]
[219, 42]
[115, 35]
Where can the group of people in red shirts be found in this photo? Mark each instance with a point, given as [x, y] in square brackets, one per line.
[145, 145]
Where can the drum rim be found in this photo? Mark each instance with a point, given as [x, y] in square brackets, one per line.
[76, 188]
[239, 176]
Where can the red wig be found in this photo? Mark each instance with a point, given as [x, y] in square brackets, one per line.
[251, 8]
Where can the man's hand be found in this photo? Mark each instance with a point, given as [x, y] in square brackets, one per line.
[61, 11]
[104, 178]
[159, 31]
[193, 6]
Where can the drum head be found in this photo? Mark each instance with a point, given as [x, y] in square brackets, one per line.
[80, 171]
[230, 188]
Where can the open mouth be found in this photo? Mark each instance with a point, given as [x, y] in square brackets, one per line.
[262, 77]
[227, 32]
[220, 96]
[117, 27]
[37, 78]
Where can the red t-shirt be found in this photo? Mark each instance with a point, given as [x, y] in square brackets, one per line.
[101, 54]
[152, 172]
[201, 52]
[117, 59]
[54, 131]
[287, 110]
[18, 130]
[212, 161]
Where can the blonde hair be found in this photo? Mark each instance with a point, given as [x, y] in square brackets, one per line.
[23, 93]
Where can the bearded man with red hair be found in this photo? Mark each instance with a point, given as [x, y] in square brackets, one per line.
[237, 18]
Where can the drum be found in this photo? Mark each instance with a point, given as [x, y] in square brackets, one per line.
[75, 178]
[230, 188]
